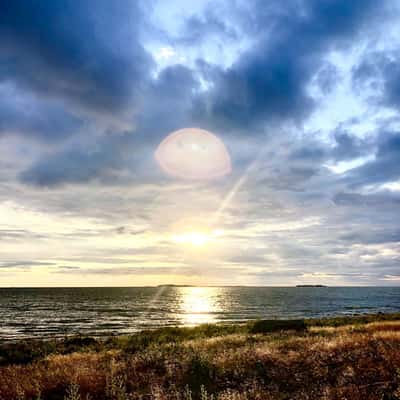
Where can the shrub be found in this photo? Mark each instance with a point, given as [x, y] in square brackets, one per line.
[276, 325]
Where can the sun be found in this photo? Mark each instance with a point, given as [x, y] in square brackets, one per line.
[196, 238]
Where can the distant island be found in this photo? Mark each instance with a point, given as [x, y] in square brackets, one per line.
[311, 286]
[173, 285]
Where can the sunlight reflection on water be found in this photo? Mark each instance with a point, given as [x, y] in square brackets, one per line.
[199, 305]
[50, 312]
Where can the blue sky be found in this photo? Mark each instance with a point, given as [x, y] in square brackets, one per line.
[305, 95]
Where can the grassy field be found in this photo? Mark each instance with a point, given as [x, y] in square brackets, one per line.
[355, 358]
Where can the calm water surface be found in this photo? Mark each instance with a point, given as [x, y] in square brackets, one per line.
[107, 311]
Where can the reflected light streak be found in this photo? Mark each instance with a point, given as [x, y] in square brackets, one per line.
[198, 305]
[238, 184]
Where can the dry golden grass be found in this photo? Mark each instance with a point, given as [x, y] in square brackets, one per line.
[350, 362]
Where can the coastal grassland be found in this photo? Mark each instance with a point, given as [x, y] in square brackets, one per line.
[355, 358]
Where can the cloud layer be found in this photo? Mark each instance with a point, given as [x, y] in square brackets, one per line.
[305, 96]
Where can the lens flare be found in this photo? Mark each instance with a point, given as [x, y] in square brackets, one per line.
[193, 154]
[197, 239]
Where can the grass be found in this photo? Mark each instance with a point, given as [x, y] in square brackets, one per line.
[338, 358]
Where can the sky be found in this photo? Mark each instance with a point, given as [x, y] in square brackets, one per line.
[304, 95]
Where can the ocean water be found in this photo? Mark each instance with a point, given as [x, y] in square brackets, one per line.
[49, 312]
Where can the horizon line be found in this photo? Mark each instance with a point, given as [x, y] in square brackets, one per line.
[201, 286]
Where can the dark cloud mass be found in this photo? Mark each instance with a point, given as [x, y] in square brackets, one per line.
[384, 168]
[77, 164]
[164, 109]
[92, 68]
[380, 71]
[21, 114]
[86, 53]
[269, 81]
[349, 146]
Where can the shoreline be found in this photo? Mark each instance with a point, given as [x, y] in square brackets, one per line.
[334, 320]
[343, 357]
[237, 326]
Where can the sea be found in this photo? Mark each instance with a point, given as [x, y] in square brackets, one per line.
[57, 312]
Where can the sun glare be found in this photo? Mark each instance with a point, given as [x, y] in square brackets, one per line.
[199, 304]
[196, 238]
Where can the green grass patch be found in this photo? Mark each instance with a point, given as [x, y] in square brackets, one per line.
[27, 351]
[352, 320]
[276, 325]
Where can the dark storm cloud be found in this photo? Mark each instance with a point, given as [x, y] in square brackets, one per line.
[35, 118]
[380, 71]
[392, 83]
[384, 168]
[78, 163]
[350, 146]
[107, 158]
[85, 52]
[269, 81]
[295, 164]
[345, 146]
[166, 106]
